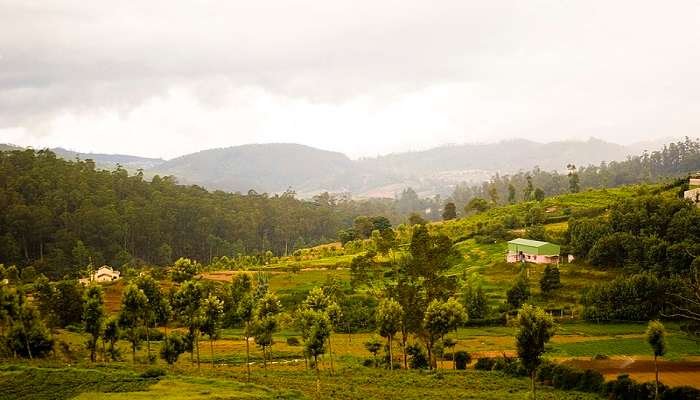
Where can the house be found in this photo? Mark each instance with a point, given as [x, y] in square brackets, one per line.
[534, 251]
[693, 192]
[103, 274]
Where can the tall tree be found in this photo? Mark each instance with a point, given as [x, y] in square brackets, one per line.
[212, 311]
[389, 316]
[656, 337]
[187, 302]
[535, 328]
[93, 316]
[574, 186]
[449, 212]
[265, 323]
[132, 315]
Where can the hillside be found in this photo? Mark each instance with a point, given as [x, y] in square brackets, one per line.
[276, 167]
[263, 168]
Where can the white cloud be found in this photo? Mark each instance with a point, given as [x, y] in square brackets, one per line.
[362, 77]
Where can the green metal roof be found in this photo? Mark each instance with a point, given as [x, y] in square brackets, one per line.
[528, 242]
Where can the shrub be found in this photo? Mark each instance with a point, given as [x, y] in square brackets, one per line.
[484, 364]
[153, 373]
[293, 341]
[462, 359]
[418, 357]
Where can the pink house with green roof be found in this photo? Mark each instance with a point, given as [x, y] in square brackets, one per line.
[534, 251]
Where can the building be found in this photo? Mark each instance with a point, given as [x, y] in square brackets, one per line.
[533, 251]
[693, 192]
[103, 274]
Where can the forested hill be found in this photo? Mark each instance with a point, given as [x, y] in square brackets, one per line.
[60, 215]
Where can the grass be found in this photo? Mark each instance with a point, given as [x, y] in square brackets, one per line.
[195, 388]
[20, 382]
[678, 347]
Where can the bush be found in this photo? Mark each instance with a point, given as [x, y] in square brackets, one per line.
[418, 357]
[462, 359]
[153, 373]
[293, 341]
[484, 364]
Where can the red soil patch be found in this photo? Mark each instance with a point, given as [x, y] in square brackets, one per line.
[671, 373]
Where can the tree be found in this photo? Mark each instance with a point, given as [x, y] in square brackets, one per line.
[187, 302]
[212, 311]
[656, 337]
[411, 295]
[493, 194]
[416, 219]
[519, 292]
[478, 205]
[573, 178]
[539, 194]
[29, 337]
[184, 269]
[132, 316]
[450, 211]
[373, 345]
[173, 345]
[265, 323]
[550, 279]
[110, 334]
[474, 301]
[511, 194]
[529, 189]
[93, 316]
[246, 308]
[441, 318]
[389, 316]
[335, 316]
[158, 311]
[535, 328]
[319, 331]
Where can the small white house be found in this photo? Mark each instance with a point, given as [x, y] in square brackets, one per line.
[103, 274]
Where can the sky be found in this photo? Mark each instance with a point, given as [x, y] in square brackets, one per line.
[364, 77]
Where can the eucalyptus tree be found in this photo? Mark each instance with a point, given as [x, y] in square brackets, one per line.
[265, 323]
[212, 311]
[110, 335]
[158, 311]
[187, 302]
[535, 329]
[656, 337]
[93, 316]
[389, 316]
[133, 315]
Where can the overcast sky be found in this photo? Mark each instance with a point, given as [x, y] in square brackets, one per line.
[166, 78]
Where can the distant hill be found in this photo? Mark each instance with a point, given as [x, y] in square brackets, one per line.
[279, 166]
[262, 167]
[276, 167]
[110, 161]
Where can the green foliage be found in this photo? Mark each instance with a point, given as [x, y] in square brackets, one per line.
[656, 337]
[477, 205]
[462, 359]
[93, 316]
[450, 211]
[133, 315]
[171, 348]
[475, 301]
[110, 335]
[29, 337]
[535, 328]
[66, 383]
[184, 270]
[550, 279]
[631, 298]
[519, 293]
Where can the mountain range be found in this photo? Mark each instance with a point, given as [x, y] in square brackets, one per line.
[276, 167]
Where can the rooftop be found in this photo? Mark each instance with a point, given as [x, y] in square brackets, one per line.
[528, 242]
